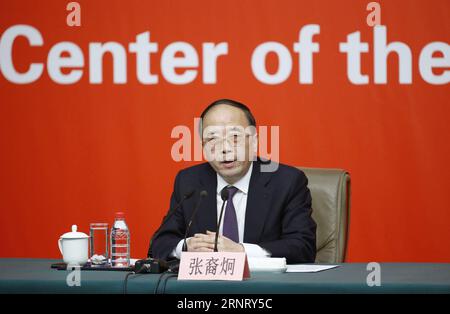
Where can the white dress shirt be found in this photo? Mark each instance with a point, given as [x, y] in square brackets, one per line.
[240, 205]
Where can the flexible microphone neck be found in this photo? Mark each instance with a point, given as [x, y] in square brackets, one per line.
[203, 194]
[170, 214]
[224, 195]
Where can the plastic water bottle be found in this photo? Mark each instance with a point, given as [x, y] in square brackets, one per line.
[120, 242]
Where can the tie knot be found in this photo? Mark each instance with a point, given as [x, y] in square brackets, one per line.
[231, 191]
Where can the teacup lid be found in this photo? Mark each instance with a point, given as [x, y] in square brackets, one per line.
[74, 234]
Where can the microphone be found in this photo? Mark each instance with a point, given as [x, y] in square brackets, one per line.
[203, 194]
[224, 196]
[153, 265]
[186, 196]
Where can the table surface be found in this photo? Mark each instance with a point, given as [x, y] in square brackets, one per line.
[37, 276]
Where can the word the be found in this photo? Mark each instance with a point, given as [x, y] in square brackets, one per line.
[381, 50]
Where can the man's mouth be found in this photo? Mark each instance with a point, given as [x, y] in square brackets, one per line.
[228, 163]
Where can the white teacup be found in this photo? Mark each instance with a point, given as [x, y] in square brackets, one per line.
[74, 247]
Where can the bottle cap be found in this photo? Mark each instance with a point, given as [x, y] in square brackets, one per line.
[120, 215]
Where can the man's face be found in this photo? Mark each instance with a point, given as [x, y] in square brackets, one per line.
[228, 142]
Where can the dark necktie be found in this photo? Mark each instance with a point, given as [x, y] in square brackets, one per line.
[230, 225]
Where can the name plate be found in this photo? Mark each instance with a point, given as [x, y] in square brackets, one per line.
[213, 266]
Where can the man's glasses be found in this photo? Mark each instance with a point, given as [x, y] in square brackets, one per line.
[236, 139]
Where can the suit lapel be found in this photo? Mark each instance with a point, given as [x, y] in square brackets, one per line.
[258, 202]
[207, 213]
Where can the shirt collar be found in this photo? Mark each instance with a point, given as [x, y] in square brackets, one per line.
[242, 184]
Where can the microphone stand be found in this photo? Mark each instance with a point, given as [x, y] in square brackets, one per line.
[169, 214]
[153, 265]
[224, 196]
[203, 194]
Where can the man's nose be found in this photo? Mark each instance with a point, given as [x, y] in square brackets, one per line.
[226, 147]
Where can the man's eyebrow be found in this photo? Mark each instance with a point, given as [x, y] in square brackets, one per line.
[211, 133]
[236, 128]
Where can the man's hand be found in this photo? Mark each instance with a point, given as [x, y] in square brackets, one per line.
[205, 243]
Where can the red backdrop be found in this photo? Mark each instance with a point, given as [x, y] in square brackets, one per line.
[76, 153]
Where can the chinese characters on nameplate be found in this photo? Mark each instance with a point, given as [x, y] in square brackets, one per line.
[213, 266]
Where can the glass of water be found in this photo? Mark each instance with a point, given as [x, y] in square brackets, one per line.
[99, 243]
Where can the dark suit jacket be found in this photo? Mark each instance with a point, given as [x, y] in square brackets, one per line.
[278, 215]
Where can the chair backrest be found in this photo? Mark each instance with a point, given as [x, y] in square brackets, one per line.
[330, 192]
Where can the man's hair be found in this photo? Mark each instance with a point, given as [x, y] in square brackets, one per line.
[248, 114]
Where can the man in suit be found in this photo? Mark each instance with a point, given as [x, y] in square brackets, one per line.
[267, 214]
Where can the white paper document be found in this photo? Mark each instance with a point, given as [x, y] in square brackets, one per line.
[308, 268]
[266, 264]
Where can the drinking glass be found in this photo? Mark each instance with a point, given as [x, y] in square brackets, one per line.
[99, 243]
